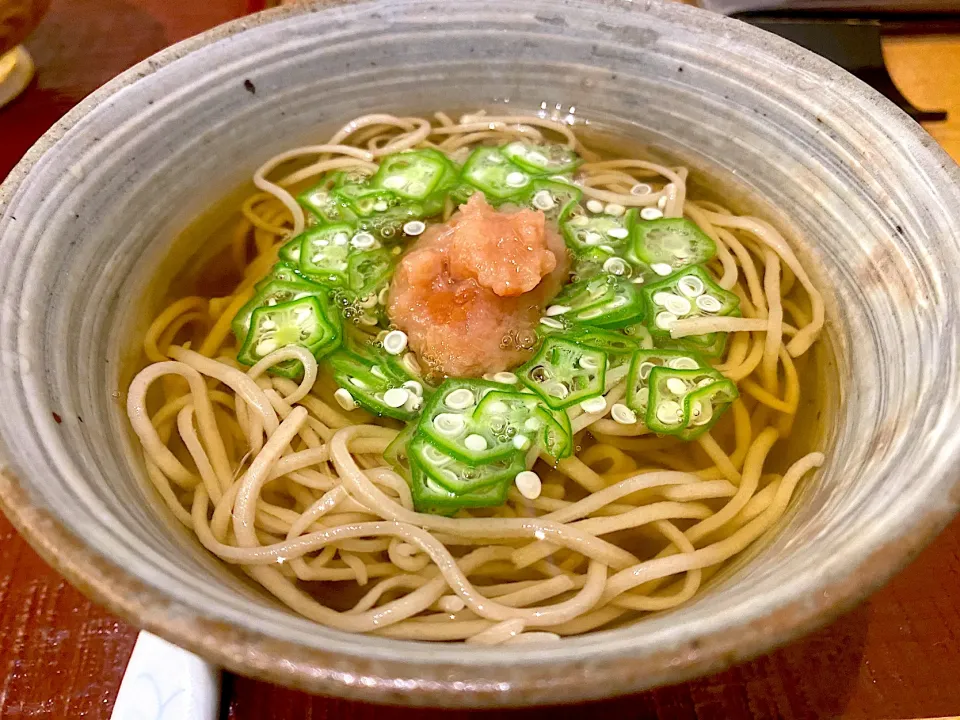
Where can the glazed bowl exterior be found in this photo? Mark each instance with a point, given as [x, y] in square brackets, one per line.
[88, 218]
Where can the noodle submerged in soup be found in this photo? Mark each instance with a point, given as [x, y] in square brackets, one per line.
[481, 381]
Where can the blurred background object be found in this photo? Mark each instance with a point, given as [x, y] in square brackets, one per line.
[849, 32]
[18, 18]
[866, 7]
[852, 43]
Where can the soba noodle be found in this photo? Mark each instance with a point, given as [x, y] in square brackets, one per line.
[274, 478]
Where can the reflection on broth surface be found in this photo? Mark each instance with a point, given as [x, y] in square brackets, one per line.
[482, 379]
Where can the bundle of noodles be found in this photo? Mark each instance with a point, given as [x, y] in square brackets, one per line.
[275, 478]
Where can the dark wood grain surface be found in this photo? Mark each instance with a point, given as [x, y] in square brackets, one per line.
[897, 656]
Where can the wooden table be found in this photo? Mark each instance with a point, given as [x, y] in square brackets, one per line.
[897, 656]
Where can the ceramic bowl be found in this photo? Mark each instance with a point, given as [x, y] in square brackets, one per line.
[88, 217]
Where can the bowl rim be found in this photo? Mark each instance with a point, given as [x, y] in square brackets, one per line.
[255, 654]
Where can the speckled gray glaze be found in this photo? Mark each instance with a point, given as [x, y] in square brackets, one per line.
[868, 198]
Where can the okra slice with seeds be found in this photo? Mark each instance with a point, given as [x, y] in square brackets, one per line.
[564, 373]
[554, 199]
[441, 483]
[620, 262]
[283, 273]
[671, 244]
[405, 365]
[459, 477]
[522, 420]
[272, 293]
[606, 301]
[609, 341]
[352, 176]
[640, 334]
[354, 190]
[668, 412]
[690, 293]
[321, 203]
[462, 192]
[431, 497]
[376, 382]
[590, 263]
[451, 422]
[413, 174]
[325, 252]
[379, 210]
[372, 389]
[550, 159]
[705, 405]
[365, 201]
[487, 169]
[643, 362]
[289, 252]
[556, 436]
[341, 256]
[711, 345]
[364, 311]
[388, 225]
[368, 271]
[298, 322]
[584, 229]
[618, 345]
